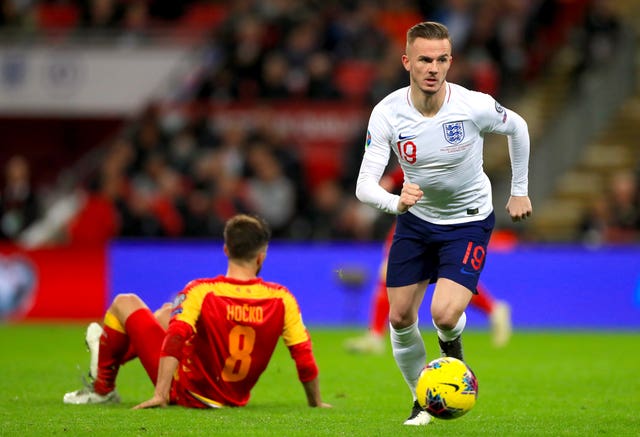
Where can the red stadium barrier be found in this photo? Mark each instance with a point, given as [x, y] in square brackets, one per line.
[55, 283]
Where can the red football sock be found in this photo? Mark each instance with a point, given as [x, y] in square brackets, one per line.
[483, 301]
[113, 346]
[147, 351]
[380, 313]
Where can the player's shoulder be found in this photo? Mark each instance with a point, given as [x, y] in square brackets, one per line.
[277, 288]
[393, 100]
[476, 104]
[195, 283]
[273, 285]
[463, 95]
[231, 287]
[391, 106]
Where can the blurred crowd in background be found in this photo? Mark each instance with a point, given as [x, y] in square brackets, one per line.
[164, 179]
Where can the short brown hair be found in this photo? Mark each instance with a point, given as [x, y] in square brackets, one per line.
[245, 236]
[428, 30]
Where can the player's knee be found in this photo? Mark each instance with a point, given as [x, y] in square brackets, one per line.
[400, 320]
[445, 320]
[126, 302]
[163, 314]
[168, 306]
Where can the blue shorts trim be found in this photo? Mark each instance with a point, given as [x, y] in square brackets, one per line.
[421, 250]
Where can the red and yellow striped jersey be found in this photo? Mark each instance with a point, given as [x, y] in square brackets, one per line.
[234, 326]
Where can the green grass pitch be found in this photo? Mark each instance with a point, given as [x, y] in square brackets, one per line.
[541, 384]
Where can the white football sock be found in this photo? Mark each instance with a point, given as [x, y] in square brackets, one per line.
[454, 333]
[409, 353]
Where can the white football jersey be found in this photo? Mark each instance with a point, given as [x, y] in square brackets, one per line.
[443, 154]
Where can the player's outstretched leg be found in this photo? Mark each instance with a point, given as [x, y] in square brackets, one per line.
[87, 394]
[498, 312]
[369, 343]
[500, 319]
[92, 340]
[373, 342]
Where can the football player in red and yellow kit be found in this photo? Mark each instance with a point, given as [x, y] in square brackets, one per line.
[220, 337]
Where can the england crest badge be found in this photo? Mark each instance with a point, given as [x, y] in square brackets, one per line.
[454, 132]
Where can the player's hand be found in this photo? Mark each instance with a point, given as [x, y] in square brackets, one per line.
[409, 196]
[519, 208]
[155, 401]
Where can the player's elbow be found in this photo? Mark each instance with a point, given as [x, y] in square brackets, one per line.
[360, 192]
[364, 195]
[365, 185]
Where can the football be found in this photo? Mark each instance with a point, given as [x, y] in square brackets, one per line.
[447, 388]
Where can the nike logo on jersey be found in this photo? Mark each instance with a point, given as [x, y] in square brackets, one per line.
[406, 137]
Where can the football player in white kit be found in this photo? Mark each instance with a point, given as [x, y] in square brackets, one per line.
[445, 211]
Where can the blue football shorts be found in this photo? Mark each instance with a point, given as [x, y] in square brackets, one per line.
[421, 250]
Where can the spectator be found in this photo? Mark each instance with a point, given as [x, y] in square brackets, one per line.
[624, 208]
[18, 203]
[98, 219]
[229, 197]
[388, 76]
[614, 217]
[148, 139]
[100, 15]
[594, 225]
[155, 193]
[458, 16]
[199, 219]
[183, 148]
[274, 81]
[17, 15]
[326, 207]
[597, 37]
[231, 152]
[357, 32]
[270, 193]
[321, 84]
[245, 49]
[510, 52]
[135, 23]
[286, 151]
[104, 210]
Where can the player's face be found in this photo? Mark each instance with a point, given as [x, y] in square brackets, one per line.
[428, 61]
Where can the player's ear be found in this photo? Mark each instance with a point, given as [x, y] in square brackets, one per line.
[262, 255]
[405, 62]
[225, 250]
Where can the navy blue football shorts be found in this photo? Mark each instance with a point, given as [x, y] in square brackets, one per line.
[421, 250]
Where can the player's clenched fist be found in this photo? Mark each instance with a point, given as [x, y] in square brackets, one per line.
[519, 208]
[409, 196]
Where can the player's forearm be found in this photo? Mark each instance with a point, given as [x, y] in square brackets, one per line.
[167, 369]
[519, 152]
[312, 390]
[369, 191]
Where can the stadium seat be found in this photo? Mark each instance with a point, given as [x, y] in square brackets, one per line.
[353, 78]
[56, 16]
[202, 16]
[320, 163]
